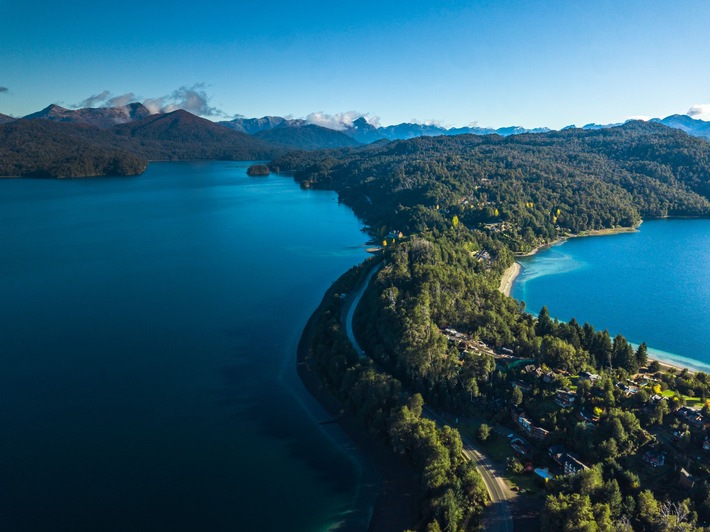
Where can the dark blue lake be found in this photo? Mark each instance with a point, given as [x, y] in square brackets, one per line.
[652, 285]
[148, 329]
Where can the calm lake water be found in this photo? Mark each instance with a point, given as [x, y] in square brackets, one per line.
[652, 285]
[147, 352]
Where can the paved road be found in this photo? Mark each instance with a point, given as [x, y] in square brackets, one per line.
[497, 516]
[354, 301]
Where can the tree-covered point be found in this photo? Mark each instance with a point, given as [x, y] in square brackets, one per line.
[528, 187]
[258, 170]
[451, 490]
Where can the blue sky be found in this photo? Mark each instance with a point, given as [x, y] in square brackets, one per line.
[493, 63]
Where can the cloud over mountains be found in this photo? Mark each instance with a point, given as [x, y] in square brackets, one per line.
[193, 99]
[700, 110]
[341, 121]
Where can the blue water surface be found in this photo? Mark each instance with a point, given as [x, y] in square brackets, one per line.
[652, 285]
[148, 329]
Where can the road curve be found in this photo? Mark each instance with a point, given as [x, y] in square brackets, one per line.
[354, 301]
[497, 516]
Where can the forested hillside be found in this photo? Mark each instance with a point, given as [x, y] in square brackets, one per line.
[183, 136]
[51, 149]
[540, 185]
[450, 212]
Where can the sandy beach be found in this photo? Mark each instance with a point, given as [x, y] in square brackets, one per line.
[509, 275]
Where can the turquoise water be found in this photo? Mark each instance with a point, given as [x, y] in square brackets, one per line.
[147, 352]
[652, 285]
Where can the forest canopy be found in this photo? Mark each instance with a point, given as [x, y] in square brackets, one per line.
[535, 187]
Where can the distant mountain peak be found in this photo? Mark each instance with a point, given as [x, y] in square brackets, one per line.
[361, 122]
[692, 126]
[101, 117]
[253, 126]
[4, 119]
[51, 110]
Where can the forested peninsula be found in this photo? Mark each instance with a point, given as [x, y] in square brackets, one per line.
[618, 445]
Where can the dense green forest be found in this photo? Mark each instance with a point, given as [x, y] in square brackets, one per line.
[451, 491]
[450, 213]
[540, 186]
[52, 149]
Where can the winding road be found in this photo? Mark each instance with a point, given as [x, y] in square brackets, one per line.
[497, 516]
[353, 302]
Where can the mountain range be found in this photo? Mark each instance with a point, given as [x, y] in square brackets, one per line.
[360, 129]
[365, 133]
[60, 142]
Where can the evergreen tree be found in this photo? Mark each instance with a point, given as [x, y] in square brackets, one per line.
[544, 324]
[642, 355]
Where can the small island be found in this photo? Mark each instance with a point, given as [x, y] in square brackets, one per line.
[258, 170]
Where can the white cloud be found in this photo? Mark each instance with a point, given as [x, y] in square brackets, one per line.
[122, 100]
[430, 122]
[639, 117]
[95, 100]
[154, 105]
[341, 121]
[192, 99]
[700, 111]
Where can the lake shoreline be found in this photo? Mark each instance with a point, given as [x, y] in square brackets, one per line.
[666, 360]
[388, 479]
[509, 276]
[512, 272]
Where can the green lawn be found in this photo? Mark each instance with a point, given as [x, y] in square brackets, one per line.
[496, 448]
[689, 400]
[543, 408]
[525, 481]
[499, 450]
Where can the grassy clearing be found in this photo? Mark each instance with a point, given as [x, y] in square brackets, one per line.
[524, 481]
[696, 402]
[498, 449]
